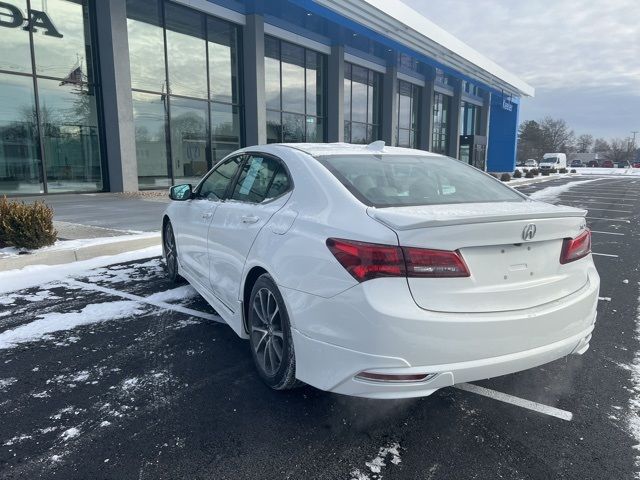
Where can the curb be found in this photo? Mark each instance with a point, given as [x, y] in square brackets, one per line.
[59, 257]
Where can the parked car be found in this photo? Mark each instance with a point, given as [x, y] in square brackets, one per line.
[636, 165]
[578, 163]
[381, 272]
[593, 163]
[552, 161]
[608, 164]
[531, 163]
[623, 164]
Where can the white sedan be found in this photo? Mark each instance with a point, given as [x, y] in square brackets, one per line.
[381, 272]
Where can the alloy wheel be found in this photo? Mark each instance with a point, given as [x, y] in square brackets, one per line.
[267, 338]
[170, 251]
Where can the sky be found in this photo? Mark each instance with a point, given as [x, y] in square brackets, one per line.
[581, 56]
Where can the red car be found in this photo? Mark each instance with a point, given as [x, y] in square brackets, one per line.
[608, 164]
[636, 165]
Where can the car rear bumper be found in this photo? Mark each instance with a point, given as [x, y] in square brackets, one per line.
[335, 368]
[377, 327]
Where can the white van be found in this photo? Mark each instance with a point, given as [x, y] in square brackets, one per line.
[553, 160]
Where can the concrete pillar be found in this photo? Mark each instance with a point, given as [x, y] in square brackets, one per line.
[115, 78]
[390, 105]
[255, 107]
[485, 114]
[426, 109]
[335, 95]
[454, 131]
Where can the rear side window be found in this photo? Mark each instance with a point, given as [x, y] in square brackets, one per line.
[396, 180]
[215, 185]
[260, 179]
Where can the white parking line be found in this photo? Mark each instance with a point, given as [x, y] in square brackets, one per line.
[137, 298]
[594, 197]
[604, 255]
[609, 210]
[607, 233]
[611, 219]
[520, 402]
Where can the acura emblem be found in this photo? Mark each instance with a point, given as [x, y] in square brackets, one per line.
[529, 232]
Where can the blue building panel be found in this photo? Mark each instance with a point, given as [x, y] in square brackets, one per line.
[503, 134]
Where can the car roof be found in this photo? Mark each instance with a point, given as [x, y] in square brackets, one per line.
[321, 149]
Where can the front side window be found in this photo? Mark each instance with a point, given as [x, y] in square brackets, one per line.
[260, 179]
[362, 97]
[294, 91]
[404, 180]
[215, 185]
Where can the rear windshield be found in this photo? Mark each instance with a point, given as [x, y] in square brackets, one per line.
[397, 180]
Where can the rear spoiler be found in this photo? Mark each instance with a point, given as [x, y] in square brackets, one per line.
[410, 218]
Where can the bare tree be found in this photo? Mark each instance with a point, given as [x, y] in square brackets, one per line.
[557, 137]
[601, 146]
[584, 143]
[620, 150]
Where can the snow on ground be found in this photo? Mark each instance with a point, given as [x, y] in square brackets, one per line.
[34, 275]
[608, 171]
[390, 453]
[55, 322]
[633, 416]
[549, 194]
[75, 244]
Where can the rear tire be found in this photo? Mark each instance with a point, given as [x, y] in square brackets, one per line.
[170, 253]
[270, 337]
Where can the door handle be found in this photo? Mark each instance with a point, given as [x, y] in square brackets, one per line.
[249, 219]
[207, 215]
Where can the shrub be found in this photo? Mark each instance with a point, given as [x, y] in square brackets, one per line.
[517, 174]
[494, 175]
[563, 170]
[505, 177]
[573, 170]
[26, 226]
[553, 170]
[545, 173]
[529, 174]
[534, 172]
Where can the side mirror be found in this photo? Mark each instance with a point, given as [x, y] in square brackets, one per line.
[180, 193]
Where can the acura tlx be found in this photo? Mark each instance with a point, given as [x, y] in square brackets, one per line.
[381, 272]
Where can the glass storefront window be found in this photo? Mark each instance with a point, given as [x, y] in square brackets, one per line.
[16, 51]
[362, 104]
[294, 87]
[408, 107]
[441, 123]
[61, 56]
[469, 119]
[186, 52]
[20, 167]
[204, 101]
[225, 130]
[149, 117]
[53, 146]
[223, 67]
[146, 45]
[69, 123]
[189, 139]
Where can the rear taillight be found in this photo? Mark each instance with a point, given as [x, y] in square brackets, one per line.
[422, 262]
[576, 248]
[365, 261]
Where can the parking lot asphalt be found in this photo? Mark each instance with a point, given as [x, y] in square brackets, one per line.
[119, 374]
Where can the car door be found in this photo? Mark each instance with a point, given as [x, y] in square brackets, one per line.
[262, 187]
[196, 217]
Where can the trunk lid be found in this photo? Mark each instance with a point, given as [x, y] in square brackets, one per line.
[508, 272]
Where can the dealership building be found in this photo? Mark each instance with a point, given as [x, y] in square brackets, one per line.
[125, 95]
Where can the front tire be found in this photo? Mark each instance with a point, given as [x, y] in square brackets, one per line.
[170, 253]
[270, 335]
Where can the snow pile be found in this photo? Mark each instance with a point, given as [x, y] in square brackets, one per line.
[552, 193]
[33, 275]
[389, 453]
[608, 171]
[55, 322]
